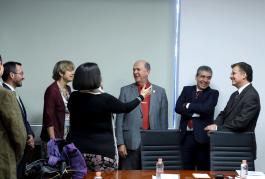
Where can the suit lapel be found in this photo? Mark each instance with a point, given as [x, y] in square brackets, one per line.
[5, 86]
[193, 91]
[152, 101]
[20, 103]
[192, 94]
[244, 91]
[135, 93]
[23, 110]
[231, 104]
[236, 99]
[240, 96]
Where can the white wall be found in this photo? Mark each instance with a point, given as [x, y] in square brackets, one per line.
[218, 34]
[112, 33]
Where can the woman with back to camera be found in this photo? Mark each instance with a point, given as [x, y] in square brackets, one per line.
[91, 124]
[55, 111]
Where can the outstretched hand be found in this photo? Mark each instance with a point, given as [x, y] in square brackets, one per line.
[145, 92]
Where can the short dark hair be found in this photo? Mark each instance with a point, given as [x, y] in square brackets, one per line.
[61, 67]
[87, 77]
[1, 61]
[245, 68]
[9, 67]
[204, 68]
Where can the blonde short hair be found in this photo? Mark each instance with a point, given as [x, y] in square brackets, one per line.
[61, 67]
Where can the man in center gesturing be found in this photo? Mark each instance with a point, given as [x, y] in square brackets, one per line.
[151, 114]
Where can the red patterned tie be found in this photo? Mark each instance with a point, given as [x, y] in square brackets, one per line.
[198, 93]
[190, 124]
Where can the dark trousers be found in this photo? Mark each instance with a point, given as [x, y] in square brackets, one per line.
[195, 156]
[132, 160]
[21, 167]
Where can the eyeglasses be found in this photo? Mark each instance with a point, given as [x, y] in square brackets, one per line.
[20, 73]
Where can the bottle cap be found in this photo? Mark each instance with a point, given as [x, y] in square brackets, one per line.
[98, 174]
[160, 160]
[244, 161]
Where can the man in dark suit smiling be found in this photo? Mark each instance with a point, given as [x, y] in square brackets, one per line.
[242, 110]
[196, 106]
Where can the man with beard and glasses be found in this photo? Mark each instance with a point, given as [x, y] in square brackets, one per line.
[12, 78]
[12, 132]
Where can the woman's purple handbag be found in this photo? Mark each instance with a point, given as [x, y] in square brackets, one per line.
[64, 159]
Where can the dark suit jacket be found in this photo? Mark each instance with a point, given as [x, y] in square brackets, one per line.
[240, 115]
[53, 112]
[24, 114]
[204, 105]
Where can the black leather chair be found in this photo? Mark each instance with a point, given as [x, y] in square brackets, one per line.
[160, 143]
[228, 149]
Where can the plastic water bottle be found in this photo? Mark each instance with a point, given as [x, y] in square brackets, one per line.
[243, 169]
[98, 175]
[159, 168]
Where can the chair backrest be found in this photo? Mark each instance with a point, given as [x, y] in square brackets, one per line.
[160, 143]
[228, 149]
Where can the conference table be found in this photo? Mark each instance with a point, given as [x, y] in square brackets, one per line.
[147, 174]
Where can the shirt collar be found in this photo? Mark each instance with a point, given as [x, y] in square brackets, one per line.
[242, 88]
[197, 89]
[147, 84]
[11, 87]
[94, 91]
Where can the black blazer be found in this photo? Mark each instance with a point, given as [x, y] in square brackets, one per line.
[24, 114]
[241, 112]
[204, 105]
